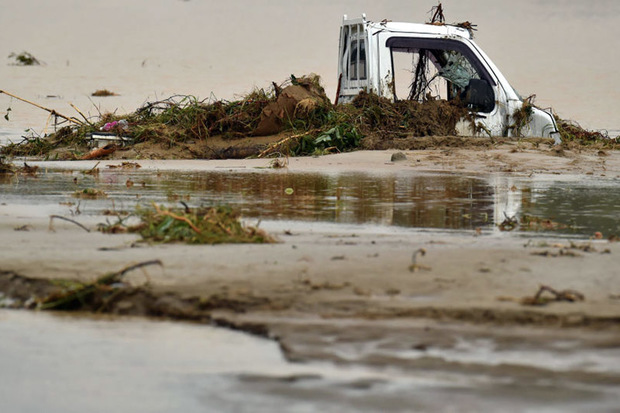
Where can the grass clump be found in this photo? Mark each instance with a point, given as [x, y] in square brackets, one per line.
[103, 93]
[6, 168]
[183, 118]
[212, 225]
[73, 140]
[571, 132]
[95, 295]
[373, 122]
[89, 193]
[24, 59]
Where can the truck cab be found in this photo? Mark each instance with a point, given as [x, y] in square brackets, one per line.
[435, 61]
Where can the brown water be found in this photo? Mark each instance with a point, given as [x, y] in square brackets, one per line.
[580, 206]
[561, 50]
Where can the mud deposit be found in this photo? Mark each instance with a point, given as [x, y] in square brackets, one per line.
[136, 365]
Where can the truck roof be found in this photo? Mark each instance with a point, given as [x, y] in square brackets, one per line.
[413, 28]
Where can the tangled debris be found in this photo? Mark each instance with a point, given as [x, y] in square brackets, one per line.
[89, 193]
[24, 59]
[6, 168]
[294, 118]
[531, 223]
[571, 132]
[113, 294]
[103, 93]
[94, 295]
[565, 295]
[212, 225]
[521, 117]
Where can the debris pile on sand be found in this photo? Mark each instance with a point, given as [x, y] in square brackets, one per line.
[294, 118]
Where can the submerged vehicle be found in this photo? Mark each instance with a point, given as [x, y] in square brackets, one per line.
[435, 61]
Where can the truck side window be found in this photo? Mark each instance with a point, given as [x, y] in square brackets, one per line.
[438, 69]
[344, 59]
[353, 60]
[362, 59]
[356, 68]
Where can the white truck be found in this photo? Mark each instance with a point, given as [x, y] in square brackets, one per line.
[435, 61]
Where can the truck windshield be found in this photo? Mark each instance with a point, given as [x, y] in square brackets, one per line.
[433, 69]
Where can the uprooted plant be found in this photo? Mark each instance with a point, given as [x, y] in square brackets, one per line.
[571, 132]
[24, 59]
[204, 225]
[92, 295]
[522, 116]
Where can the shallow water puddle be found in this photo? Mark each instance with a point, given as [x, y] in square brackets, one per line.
[76, 364]
[563, 204]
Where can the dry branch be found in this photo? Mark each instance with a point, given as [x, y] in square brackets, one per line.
[51, 111]
[68, 220]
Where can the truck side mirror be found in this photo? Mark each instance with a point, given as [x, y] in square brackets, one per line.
[479, 96]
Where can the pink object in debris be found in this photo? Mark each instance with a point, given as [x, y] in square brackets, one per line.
[109, 125]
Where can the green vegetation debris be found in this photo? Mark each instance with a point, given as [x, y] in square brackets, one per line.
[571, 132]
[75, 295]
[297, 115]
[522, 116]
[210, 225]
[24, 59]
[89, 193]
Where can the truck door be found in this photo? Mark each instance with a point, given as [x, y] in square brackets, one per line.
[440, 68]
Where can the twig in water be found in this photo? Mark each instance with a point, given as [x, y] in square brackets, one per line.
[178, 218]
[414, 265]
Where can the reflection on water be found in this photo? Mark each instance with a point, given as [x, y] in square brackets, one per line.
[439, 201]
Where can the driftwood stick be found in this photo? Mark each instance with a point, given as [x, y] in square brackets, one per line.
[178, 218]
[69, 220]
[139, 265]
[282, 141]
[80, 112]
[51, 111]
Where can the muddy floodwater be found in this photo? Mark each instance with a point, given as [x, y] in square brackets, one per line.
[573, 206]
[132, 365]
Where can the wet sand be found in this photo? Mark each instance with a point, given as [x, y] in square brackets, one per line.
[352, 271]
